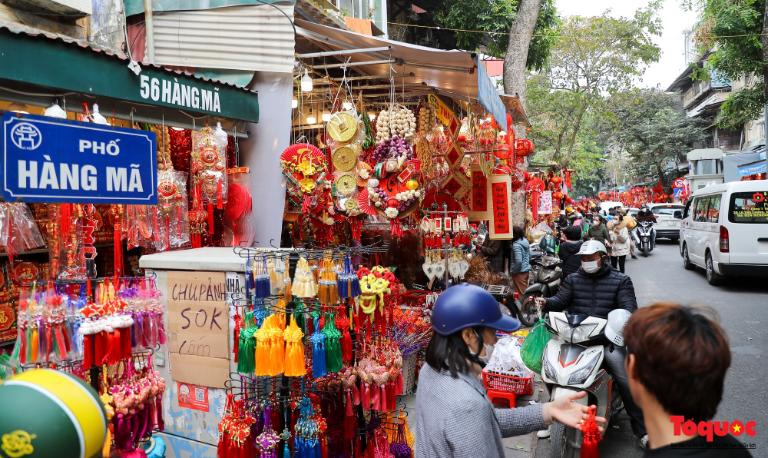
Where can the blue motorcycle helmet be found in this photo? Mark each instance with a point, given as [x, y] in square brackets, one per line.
[468, 306]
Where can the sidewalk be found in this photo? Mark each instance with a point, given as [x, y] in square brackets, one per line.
[524, 446]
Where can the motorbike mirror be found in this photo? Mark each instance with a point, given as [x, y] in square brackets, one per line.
[678, 214]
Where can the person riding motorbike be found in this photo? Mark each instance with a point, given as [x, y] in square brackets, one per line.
[465, 319]
[595, 290]
[645, 215]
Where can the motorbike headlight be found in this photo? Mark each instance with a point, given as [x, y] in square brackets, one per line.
[580, 376]
[549, 371]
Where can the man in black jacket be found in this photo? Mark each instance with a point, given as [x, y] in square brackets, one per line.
[595, 290]
[569, 250]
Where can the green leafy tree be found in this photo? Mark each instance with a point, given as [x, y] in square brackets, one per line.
[652, 127]
[592, 58]
[520, 31]
[736, 33]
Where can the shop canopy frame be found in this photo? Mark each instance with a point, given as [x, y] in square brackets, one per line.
[417, 70]
[38, 68]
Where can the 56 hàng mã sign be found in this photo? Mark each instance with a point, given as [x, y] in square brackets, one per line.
[198, 328]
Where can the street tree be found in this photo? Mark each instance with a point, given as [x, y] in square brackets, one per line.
[736, 34]
[652, 127]
[592, 58]
[520, 31]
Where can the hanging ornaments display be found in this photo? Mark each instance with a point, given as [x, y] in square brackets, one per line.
[171, 224]
[398, 121]
[209, 171]
[239, 204]
[305, 167]
[394, 188]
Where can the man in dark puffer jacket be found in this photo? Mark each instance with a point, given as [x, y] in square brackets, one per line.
[596, 289]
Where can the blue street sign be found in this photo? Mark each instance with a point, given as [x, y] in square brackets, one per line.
[55, 160]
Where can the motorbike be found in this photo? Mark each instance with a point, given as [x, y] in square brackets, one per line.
[505, 296]
[572, 362]
[545, 279]
[645, 234]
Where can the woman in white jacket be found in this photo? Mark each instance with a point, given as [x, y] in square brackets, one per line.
[620, 244]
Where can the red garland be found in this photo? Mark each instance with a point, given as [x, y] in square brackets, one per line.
[535, 186]
[180, 148]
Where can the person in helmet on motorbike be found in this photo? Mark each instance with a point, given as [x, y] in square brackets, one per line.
[645, 215]
[595, 290]
[454, 417]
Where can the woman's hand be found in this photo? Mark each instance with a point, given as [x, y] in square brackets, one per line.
[568, 412]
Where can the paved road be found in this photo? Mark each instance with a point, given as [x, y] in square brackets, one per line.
[743, 308]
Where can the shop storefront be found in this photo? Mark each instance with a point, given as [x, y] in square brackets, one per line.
[106, 160]
[399, 158]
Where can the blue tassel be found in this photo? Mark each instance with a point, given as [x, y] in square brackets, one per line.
[286, 450]
[318, 351]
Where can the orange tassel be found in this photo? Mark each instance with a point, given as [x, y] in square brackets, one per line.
[294, 351]
[263, 366]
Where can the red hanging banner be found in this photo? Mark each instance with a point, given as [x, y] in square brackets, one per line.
[501, 205]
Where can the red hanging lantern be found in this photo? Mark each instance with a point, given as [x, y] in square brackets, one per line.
[523, 147]
[557, 195]
[602, 195]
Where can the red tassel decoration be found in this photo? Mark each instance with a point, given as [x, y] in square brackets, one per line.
[591, 436]
[355, 395]
[236, 341]
[118, 246]
[210, 219]
[99, 348]
[88, 351]
[219, 196]
[348, 402]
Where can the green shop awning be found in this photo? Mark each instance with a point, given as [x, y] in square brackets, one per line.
[52, 61]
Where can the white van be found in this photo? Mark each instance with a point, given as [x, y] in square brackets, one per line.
[725, 230]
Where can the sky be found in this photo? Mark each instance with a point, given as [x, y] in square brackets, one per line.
[675, 21]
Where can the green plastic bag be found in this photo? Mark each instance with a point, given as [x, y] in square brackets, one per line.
[534, 345]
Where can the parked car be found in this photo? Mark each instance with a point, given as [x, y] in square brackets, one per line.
[668, 217]
[725, 230]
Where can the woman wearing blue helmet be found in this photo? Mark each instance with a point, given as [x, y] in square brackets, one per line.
[454, 418]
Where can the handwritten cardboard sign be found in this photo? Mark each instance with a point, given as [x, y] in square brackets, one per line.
[198, 328]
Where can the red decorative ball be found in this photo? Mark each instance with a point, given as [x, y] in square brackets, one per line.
[392, 202]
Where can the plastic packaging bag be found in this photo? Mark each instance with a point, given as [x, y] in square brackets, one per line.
[506, 358]
[534, 345]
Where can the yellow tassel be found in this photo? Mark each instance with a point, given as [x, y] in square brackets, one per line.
[107, 449]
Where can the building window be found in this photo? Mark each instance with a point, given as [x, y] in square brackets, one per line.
[706, 167]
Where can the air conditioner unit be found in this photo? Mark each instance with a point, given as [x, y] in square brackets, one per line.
[62, 7]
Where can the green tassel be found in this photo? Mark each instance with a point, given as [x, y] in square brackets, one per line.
[298, 312]
[333, 355]
[246, 352]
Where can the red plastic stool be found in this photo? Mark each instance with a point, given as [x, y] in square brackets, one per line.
[495, 396]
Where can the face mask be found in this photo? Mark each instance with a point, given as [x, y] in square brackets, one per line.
[488, 350]
[596, 222]
[590, 267]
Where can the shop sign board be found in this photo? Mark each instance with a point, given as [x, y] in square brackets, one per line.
[198, 328]
[69, 67]
[56, 160]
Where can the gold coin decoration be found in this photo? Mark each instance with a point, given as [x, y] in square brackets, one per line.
[342, 126]
[346, 185]
[344, 159]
